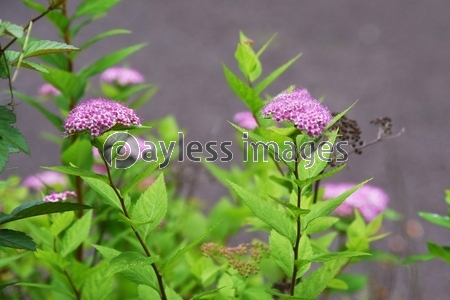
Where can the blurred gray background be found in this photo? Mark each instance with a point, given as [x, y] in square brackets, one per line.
[394, 56]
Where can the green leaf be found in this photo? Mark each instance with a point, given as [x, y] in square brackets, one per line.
[16, 239]
[94, 7]
[4, 154]
[320, 224]
[101, 36]
[323, 208]
[106, 252]
[264, 47]
[282, 296]
[70, 85]
[419, 257]
[375, 225]
[263, 84]
[37, 208]
[335, 255]
[128, 261]
[5, 285]
[78, 172]
[76, 234]
[32, 66]
[138, 178]
[207, 293]
[248, 62]
[355, 282]
[443, 221]
[96, 286]
[439, 251]
[42, 47]
[78, 154]
[141, 100]
[58, 60]
[306, 182]
[338, 117]
[151, 207]
[281, 252]
[61, 222]
[6, 115]
[314, 284]
[57, 18]
[337, 284]
[11, 29]
[243, 91]
[109, 60]
[148, 293]
[183, 250]
[357, 234]
[265, 210]
[104, 191]
[251, 293]
[13, 136]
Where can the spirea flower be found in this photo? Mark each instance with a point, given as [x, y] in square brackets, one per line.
[99, 115]
[369, 200]
[300, 108]
[39, 181]
[245, 119]
[122, 76]
[55, 197]
[48, 90]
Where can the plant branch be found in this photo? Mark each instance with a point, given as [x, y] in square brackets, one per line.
[77, 293]
[299, 234]
[136, 233]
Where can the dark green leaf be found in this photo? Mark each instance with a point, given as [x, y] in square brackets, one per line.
[127, 261]
[42, 47]
[32, 66]
[104, 191]
[16, 239]
[78, 172]
[4, 154]
[37, 208]
[6, 115]
[13, 136]
[70, 85]
[54, 119]
[439, 251]
[94, 7]
[443, 221]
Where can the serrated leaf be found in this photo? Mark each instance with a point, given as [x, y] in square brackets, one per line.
[76, 234]
[61, 222]
[151, 207]
[42, 47]
[263, 84]
[323, 208]
[109, 60]
[106, 252]
[77, 172]
[320, 224]
[265, 210]
[357, 234]
[6, 115]
[443, 221]
[104, 191]
[16, 239]
[304, 183]
[335, 255]
[96, 286]
[55, 259]
[243, 91]
[316, 282]
[37, 208]
[78, 154]
[248, 62]
[32, 66]
[13, 136]
[127, 261]
[281, 252]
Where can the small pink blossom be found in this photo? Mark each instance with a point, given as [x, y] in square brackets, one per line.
[245, 119]
[48, 90]
[300, 108]
[55, 197]
[122, 76]
[49, 178]
[99, 115]
[369, 200]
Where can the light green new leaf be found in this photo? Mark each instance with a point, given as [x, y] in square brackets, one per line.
[443, 221]
[78, 154]
[109, 60]
[271, 213]
[76, 234]
[243, 91]
[151, 207]
[320, 224]
[357, 234]
[439, 251]
[61, 222]
[42, 47]
[281, 252]
[104, 191]
[248, 62]
[323, 208]
[96, 286]
[304, 183]
[263, 84]
[335, 255]
[338, 117]
[314, 284]
[138, 178]
[129, 261]
[106, 252]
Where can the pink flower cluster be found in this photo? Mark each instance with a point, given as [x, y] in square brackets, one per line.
[300, 108]
[122, 76]
[48, 90]
[39, 181]
[99, 115]
[55, 197]
[245, 119]
[369, 200]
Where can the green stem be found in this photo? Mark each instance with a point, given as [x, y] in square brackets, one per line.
[136, 233]
[299, 234]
